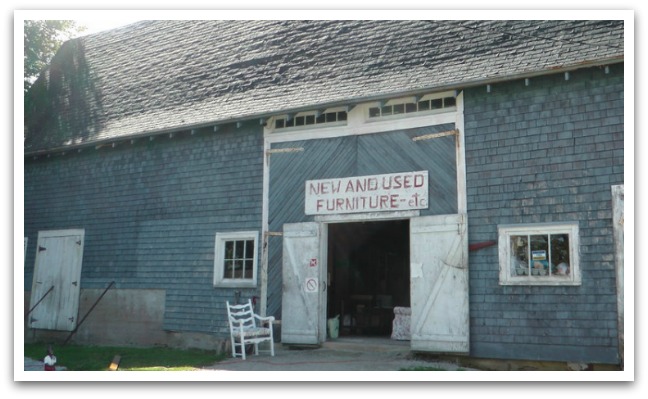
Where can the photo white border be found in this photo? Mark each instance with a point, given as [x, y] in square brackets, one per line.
[18, 173]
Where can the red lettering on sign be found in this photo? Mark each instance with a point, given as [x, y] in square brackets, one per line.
[393, 203]
[419, 180]
[325, 187]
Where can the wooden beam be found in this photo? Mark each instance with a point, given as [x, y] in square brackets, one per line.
[435, 135]
[284, 150]
[479, 245]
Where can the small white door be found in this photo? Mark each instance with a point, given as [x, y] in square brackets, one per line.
[439, 284]
[303, 304]
[57, 267]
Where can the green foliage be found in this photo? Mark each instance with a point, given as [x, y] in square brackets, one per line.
[98, 358]
[42, 40]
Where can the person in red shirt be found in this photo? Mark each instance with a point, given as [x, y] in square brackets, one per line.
[50, 360]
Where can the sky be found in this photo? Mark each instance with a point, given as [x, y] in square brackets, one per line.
[95, 25]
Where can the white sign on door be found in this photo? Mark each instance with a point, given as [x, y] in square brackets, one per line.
[311, 284]
[376, 193]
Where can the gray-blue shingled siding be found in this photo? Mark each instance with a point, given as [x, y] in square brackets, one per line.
[150, 211]
[547, 152]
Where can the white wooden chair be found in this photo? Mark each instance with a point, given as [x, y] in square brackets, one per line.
[244, 329]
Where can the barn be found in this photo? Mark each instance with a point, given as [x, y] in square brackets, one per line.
[462, 177]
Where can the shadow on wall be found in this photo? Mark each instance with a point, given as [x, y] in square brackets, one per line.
[64, 102]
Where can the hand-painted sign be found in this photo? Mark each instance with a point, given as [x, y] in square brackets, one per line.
[377, 193]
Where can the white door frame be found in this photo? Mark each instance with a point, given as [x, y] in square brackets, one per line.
[356, 125]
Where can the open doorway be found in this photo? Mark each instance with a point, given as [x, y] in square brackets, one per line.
[368, 266]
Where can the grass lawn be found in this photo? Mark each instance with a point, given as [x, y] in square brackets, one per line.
[98, 358]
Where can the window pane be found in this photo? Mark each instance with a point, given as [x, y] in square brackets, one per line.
[520, 256]
[410, 107]
[449, 102]
[341, 116]
[229, 249]
[228, 270]
[279, 123]
[321, 118]
[539, 255]
[560, 254]
[248, 269]
[239, 250]
[238, 269]
[374, 112]
[310, 119]
[399, 109]
[437, 103]
[299, 121]
[249, 249]
[386, 110]
[331, 116]
[424, 105]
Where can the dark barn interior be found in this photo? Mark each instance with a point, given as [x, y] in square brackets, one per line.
[368, 266]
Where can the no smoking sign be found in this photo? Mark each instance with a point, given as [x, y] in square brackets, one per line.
[311, 284]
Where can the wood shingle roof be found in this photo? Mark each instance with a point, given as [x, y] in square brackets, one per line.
[156, 76]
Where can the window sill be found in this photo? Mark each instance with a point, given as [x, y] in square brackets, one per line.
[548, 281]
[235, 284]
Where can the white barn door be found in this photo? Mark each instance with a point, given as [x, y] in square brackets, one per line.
[439, 284]
[58, 265]
[303, 304]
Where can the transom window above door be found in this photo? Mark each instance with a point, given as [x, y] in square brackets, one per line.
[313, 118]
[412, 105]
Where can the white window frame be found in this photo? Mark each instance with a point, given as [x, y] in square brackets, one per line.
[219, 259]
[504, 239]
